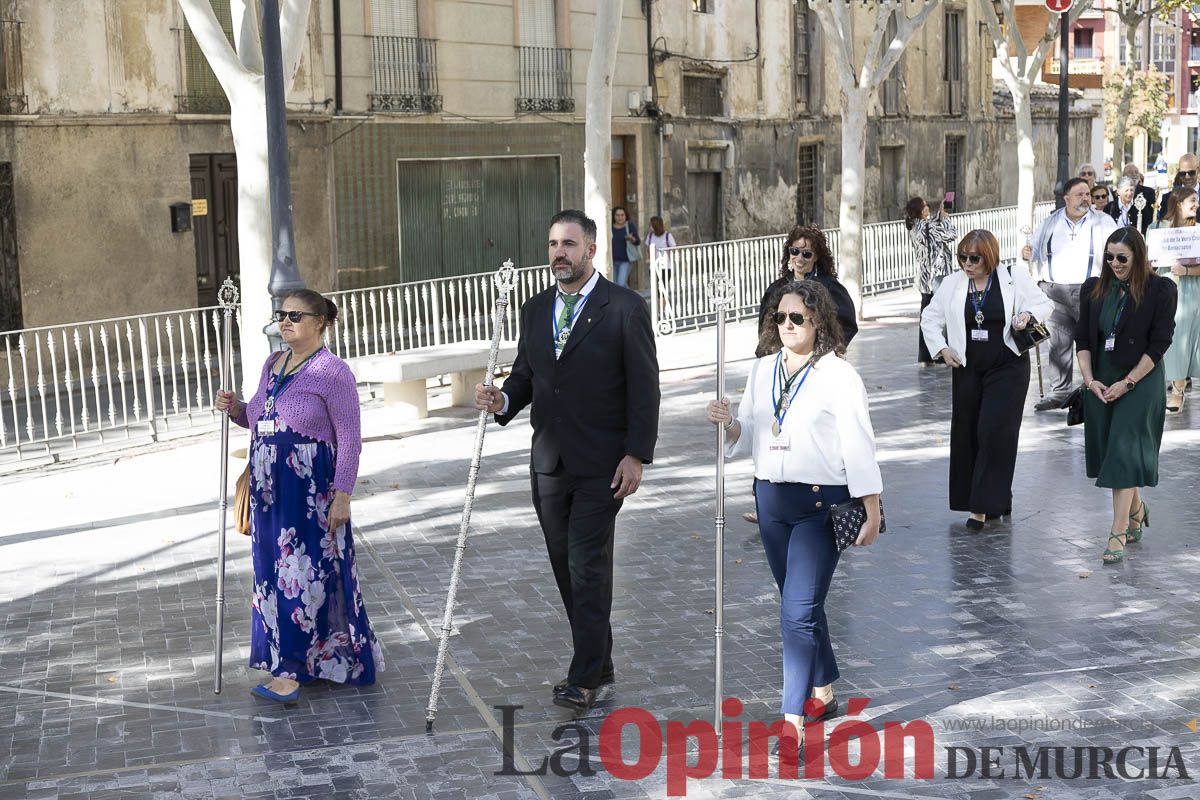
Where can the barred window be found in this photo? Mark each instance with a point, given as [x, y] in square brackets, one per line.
[702, 96]
[808, 186]
[954, 170]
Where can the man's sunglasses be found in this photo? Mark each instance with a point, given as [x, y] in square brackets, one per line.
[969, 258]
[1120, 258]
[779, 318]
[293, 316]
[796, 251]
[1187, 173]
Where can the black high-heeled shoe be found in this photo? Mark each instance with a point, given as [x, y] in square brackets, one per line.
[974, 524]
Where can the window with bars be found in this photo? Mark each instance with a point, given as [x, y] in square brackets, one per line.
[953, 51]
[809, 207]
[404, 65]
[954, 169]
[13, 99]
[703, 96]
[201, 92]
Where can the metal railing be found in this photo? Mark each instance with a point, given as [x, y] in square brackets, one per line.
[1083, 52]
[405, 70]
[69, 386]
[545, 76]
[13, 99]
[679, 277]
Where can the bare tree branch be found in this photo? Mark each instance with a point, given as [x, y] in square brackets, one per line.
[834, 16]
[211, 39]
[245, 34]
[872, 56]
[293, 29]
[905, 30]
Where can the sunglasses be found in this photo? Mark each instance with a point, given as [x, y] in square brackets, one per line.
[796, 251]
[779, 318]
[969, 258]
[1086, 172]
[1100, 196]
[1120, 258]
[293, 316]
[1187, 173]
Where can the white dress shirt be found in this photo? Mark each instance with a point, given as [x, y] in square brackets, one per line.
[1073, 252]
[944, 323]
[584, 291]
[827, 428]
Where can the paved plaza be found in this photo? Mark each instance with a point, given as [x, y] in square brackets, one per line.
[1014, 637]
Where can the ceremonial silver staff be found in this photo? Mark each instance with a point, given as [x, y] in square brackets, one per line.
[504, 279]
[1139, 202]
[227, 298]
[1027, 230]
[720, 291]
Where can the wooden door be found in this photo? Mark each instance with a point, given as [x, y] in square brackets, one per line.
[10, 274]
[214, 222]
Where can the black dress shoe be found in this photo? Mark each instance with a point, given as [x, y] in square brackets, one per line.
[831, 710]
[974, 524]
[1048, 404]
[606, 677]
[576, 698]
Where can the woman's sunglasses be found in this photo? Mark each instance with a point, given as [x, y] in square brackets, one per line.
[1120, 258]
[969, 258]
[293, 316]
[779, 318]
[796, 251]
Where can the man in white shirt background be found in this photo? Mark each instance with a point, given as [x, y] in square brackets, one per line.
[1067, 249]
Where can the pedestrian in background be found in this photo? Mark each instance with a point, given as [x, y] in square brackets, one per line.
[1186, 176]
[806, 256]
[1100, 198]
[1126, 321]
[1066, 250]
[969, 324]
[804, 420]
[930, 237]
[1088, 173]
[626, 246]
[1182, 360]
[307, 620]
[1122, 208]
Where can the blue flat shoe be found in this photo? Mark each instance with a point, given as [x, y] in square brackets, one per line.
[263, 691]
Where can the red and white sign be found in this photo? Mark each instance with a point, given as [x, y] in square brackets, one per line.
[1058, 6]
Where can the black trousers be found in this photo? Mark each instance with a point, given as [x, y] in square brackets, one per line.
[923, 354]
[985, 425]
[578, 518]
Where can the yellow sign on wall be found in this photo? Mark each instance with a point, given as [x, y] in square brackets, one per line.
[199, 208]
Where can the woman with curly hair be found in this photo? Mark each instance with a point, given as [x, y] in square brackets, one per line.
[806, 256]
[804, 463]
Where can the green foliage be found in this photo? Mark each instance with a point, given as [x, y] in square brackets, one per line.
[1148, 102]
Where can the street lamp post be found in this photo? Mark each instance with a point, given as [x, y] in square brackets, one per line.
[285, 276]
[1064, 119]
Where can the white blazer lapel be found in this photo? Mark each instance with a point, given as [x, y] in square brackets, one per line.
[956, 323]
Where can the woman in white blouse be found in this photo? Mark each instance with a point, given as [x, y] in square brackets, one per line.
[804, 419]
[969, 324]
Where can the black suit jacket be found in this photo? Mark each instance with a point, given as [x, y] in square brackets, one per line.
[1113, 209]
[599, 401]
[841, 298]
[1144, 329]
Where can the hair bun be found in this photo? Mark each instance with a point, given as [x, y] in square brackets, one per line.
[331, 310]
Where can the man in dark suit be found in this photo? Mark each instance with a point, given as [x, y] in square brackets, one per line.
[586, 361]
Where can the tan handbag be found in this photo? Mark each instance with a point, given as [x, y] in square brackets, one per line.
[241, 503]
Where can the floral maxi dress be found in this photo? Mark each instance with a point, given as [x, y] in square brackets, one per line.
[307, 617]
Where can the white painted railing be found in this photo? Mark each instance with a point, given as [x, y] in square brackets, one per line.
[679, 279]
[64, 387]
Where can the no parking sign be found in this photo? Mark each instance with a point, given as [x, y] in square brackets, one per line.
[1059, 6]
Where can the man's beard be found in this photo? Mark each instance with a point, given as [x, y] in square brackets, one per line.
[566, 271]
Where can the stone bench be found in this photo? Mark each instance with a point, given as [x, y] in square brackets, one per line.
[403, 374]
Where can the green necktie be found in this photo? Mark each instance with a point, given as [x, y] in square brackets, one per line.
[564, 320]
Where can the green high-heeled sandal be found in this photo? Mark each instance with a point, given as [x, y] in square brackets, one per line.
[1135, 534]
[1115, 556]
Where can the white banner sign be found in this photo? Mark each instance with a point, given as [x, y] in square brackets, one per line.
[1168, 245]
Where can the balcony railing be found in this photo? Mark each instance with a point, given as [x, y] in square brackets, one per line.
[13, 99]
[405, 75]
[1078, 66]
[545, 80]
[1083, 52]
[1194, 54]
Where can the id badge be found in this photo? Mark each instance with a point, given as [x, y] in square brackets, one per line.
[780, 444]
[979, 335]
[1110, 343]
[266, 427]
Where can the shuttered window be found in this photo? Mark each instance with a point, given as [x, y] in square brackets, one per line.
[393, 17]
[537, 23]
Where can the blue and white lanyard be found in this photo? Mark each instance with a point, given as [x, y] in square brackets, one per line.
[783, 400]
[558, 329]
[978, 299]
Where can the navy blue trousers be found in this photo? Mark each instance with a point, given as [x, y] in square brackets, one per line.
[802, 556]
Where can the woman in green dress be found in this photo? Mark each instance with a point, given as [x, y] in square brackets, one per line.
[1182, 360]
[1126, 321]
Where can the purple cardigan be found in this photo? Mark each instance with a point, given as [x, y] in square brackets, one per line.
[321, 403]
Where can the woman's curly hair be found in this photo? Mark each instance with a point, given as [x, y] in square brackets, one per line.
[820, 245]
[819, 307]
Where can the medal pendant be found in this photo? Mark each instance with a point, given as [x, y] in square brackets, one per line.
[775, 429]
[786, 403]
[269, 406]
[978, 317]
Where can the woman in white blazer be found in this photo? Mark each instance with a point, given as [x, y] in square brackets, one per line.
[969, 325]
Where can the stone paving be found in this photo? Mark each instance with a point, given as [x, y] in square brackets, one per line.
[106, 618]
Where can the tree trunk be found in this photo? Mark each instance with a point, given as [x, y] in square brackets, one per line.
[1118, 156]
[248, 121]
[597, 156]
[1026, 162]
[850, 215]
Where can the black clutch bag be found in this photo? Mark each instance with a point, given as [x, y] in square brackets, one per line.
[846, 521]
[1074, 406]
[1034, 334]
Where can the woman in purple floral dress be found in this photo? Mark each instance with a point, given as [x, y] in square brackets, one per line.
[308, 619]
